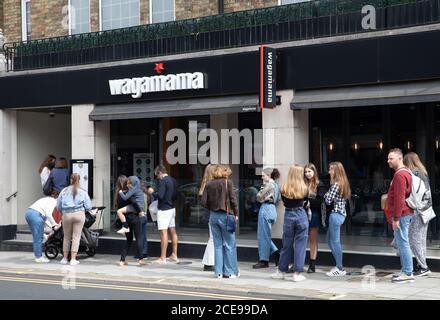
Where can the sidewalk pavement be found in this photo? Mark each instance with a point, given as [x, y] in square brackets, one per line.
[189, 274]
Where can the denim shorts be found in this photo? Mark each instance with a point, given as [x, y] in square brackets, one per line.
[316, 221]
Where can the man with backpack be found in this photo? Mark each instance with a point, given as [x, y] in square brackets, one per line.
[401, 213]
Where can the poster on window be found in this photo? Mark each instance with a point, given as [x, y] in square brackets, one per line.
[85, 170]
[143, 166]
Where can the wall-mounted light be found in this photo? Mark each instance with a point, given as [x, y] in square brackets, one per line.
[381, 145]
[408, 145]
[356, 146]
[436, 144]
[330, 146]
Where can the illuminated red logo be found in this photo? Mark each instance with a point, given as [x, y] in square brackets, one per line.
[159, 68]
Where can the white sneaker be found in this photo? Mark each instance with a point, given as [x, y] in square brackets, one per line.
[335, 272]
[298, 277]
[278, 275]
[64, 261]
[42, 259]
[403, 278]
[123, 230]
[233, 276]
[74, 262]
[219, 276]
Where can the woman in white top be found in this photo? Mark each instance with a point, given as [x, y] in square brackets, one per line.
[37, 215]
[46, 166]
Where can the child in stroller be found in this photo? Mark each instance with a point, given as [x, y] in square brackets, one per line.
[89, 239]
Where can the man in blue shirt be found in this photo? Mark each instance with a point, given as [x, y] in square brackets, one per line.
[166, 194]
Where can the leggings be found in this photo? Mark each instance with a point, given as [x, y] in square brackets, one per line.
[134, 224]
[73, 223]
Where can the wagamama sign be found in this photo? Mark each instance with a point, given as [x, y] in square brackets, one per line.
[160, 83]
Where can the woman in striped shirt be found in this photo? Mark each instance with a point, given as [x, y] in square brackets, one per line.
[337, 195]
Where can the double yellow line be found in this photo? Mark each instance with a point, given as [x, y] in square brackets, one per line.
[129, 288]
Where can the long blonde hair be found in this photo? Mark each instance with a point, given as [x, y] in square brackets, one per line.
[74, 182]
[207, 176]
[412, 161]
[295, 187]
[341, 179]
[312, 184]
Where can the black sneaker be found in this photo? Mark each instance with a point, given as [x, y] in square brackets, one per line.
[208, 268]
[260, 265]
[291, 270]
[422, 272]
[311, 269]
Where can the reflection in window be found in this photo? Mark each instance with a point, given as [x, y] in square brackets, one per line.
[119, 14]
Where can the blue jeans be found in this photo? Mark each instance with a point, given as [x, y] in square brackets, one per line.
[225, 248]
[144, 221]
[295, 235]
[402, 242]
[36, 222]
[334, 236]
[266, 218]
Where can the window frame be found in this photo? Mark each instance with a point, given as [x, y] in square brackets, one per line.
[70, 18]
[100, 16]
[174, 11]
[24, 27]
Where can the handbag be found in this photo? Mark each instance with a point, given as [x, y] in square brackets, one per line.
[153, 209]
[48, 186]
[230, 219]
[427, 215]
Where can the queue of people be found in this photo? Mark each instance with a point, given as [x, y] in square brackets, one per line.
[305, 197]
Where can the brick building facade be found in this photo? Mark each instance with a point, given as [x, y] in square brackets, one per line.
[48, 18]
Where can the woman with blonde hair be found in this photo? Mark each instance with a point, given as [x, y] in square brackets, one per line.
[72, 203]
[208, 257]
[337, 195]
[317, 190]
[219, 197]
[418, 227]
[294, 193]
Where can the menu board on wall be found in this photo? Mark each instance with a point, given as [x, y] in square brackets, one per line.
[85, 170]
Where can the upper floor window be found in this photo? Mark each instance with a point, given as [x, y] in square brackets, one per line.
[119, 14]
[291, 1]
[26, 27]
[162, 11]
[79, 16]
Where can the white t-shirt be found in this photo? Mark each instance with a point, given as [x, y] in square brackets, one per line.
[44, 175]
[45, 206]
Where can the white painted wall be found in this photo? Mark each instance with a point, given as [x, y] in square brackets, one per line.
[8, 167]
[91, 140]
[38, 135]
[285, 142]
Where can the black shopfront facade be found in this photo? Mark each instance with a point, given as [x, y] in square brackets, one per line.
[356, 129]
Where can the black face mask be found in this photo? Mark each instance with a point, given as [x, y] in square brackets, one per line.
[51, 165]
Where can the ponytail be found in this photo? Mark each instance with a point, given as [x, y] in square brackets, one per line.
[74, 182]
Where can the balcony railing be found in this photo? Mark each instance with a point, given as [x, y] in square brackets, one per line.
[298, 21]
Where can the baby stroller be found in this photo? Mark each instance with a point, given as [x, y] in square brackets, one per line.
[89, 239]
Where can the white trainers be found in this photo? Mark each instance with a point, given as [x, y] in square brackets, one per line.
[42, 259]
[278, 275]
[403, 278]
[219, 276]
[335, 272]
[64, 261]
[298, 277]
[74, 262]
[123, 230]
